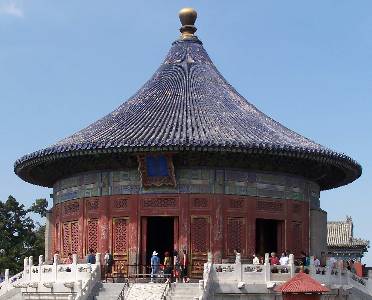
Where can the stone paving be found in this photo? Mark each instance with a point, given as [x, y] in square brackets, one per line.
[184, 291]
[146, 291]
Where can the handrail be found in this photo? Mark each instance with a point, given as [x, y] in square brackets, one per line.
[7, 284]
[122, 292]
[165, 291]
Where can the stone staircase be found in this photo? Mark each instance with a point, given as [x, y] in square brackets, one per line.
[106, 291]
[145, 291]
[184, 291]
[14, 294]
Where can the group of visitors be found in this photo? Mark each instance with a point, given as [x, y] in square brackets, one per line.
[176, 270]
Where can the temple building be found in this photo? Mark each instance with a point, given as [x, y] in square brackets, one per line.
[187, 163]
[341, 242]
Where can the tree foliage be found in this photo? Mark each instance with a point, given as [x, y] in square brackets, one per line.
[20, 236]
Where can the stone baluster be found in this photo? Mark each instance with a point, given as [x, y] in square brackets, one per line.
[74, 268]
[98, 258]
[210, 257]
[80, 288]
[201, 285]
[55, 266]
[30, 265]
[291, 265]
[267, 268]
[98, 263]
[41, 262]
[238, 267]
[6, 277]
[25, 268]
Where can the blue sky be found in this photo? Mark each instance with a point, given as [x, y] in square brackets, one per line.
[64, 64]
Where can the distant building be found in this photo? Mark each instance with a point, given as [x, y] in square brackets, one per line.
[341, 241]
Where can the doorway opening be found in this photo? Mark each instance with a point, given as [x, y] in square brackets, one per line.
[160, 237]
[266, 236]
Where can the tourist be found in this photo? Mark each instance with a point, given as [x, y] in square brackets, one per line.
[167, 266]
[256, 260]
[68, 260]
[91, 258]
[155, 263]
[317, 265]
[176, 265]
[274, 260]
[323, 259]
[283, 261]
[305, 259]
[237, 256]
[332, 262]
[184, 267]
[109, 261]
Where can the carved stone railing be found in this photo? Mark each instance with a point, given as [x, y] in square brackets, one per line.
[206, 285]
[237, 274]
[8, 283]
[75, 281]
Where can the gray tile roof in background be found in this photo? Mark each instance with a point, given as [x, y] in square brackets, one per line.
[340, 234]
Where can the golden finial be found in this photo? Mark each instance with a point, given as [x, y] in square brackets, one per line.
[187, 17]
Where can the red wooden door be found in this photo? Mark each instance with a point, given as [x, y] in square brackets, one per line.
[200, 243]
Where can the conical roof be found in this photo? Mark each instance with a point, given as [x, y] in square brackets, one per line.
[302, 283]
[187, 105]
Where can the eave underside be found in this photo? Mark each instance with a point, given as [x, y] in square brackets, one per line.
[327, 172]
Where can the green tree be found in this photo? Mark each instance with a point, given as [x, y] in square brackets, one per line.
[19, 235]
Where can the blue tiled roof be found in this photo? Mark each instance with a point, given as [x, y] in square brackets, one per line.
[187, 105]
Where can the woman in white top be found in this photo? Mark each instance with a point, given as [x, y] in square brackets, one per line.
[284, 259]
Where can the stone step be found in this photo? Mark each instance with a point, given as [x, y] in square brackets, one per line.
[184, 291]
[105, 291]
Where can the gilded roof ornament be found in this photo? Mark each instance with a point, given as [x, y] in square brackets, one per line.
[187, 17]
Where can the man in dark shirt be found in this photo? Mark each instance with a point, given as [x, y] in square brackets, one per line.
[91, 258]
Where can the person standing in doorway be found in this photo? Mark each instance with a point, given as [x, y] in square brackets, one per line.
[155, 262]
[167, 266]
[109, 261]
[176, 265]
[184, 267]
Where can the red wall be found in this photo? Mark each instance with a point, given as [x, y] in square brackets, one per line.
[205, 222]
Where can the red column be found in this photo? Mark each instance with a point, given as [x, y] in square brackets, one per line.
[134, 223]
[184, 224]
[104, 224]
[217, 227]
